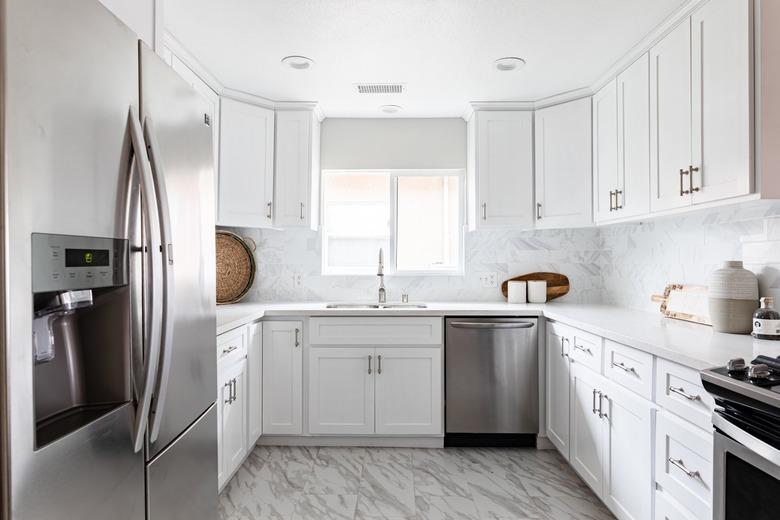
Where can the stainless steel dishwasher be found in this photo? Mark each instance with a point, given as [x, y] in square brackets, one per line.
[492, 381]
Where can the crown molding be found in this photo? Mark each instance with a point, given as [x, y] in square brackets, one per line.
[563, 97]
[182, 53]
[246, 97]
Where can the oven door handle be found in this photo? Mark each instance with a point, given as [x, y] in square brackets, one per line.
[755, 445]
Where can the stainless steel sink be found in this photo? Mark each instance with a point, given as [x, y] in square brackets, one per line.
[376, 306]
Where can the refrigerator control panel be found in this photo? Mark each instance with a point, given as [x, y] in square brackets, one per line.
[68, 262]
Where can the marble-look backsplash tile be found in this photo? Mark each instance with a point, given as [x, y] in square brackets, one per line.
[621, 264]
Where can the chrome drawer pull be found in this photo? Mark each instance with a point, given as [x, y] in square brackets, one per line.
[584, 349]
[594, 401]
[297, 337]
[679, 464]
[623, 367]
[232, 348]
[369, 363]
[681, 391]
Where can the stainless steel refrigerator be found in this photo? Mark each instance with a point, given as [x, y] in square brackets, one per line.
[108, 325]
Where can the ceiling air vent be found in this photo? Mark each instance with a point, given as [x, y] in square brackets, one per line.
[380, 88]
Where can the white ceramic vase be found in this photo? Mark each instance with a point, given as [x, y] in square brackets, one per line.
[733, 297]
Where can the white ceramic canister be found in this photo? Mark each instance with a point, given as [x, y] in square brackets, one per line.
[516, 292]
[537, 291]
[732, 296]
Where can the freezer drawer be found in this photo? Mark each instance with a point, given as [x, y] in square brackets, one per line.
[492, 376]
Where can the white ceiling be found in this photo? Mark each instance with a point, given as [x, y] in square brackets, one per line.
[442, 50]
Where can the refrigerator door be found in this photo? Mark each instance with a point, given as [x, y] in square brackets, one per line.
[179, 140]
[71, 77]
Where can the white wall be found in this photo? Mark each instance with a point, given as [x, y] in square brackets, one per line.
[139, 15]
[354, 144]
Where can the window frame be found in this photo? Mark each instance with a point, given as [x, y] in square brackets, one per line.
[391, 258]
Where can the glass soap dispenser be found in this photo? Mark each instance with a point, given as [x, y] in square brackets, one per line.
[766, 320]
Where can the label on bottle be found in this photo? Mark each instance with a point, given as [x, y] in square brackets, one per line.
[766, 327]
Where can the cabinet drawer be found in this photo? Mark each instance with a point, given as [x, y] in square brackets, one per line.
[231, 345]
[679, 390]
[683, 463]
[629, 367]
[376, 331]
[667, 509]
[587, 349]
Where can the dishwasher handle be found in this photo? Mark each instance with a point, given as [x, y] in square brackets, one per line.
[491, 325]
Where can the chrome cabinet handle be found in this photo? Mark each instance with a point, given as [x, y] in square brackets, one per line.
[297, 337]
[594, 401]
[369, 363]
[229, 386]
[683, 191]
[602, 413]
[679, 464]
[618, 205]
[302, 211]
[379, 364]
[269, 208]
[484, 211]
[611, 203]
[538, 211]
[623, 367]
[562, 353]
[226, 351]
[235, 389]
[691, 169]
[681, 391]
[584, 349]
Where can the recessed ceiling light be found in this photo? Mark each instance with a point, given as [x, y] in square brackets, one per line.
[390, 109]
[298, 62]
[509, 63]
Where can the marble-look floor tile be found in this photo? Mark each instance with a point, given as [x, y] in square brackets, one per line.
[386, 490]
[445, 508]
[331, 507]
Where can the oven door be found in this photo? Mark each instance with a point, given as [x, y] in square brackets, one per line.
[747, 474]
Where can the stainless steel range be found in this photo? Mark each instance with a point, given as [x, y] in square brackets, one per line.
[747, 438]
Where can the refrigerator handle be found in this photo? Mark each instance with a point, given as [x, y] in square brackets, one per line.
[153, 333]
[163, 211]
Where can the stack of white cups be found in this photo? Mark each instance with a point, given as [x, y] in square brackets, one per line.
[535, 289]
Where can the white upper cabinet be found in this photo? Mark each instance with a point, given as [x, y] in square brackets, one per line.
[632, 197]
[297, 176]
[701, 108]
[500, 169]
[670, 119]
[563, 165]
[722, 100]
[605, 152]
[621, 145]
[246, 173]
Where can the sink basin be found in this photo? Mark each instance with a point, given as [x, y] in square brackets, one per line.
[376, 306]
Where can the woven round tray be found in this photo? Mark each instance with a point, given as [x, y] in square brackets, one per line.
[235, 267]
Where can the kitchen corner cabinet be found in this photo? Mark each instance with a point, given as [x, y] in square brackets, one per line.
[297, 177]
[563, 165]
[246, 160]
[701, 104]
[254, 357]
[283, 377]
[500, 169]
[231, 418]
[621, 145]
[558, 366]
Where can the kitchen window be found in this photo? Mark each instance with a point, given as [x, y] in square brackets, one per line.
[415, 216]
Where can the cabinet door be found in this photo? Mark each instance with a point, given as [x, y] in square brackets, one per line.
[633, 97]
[255, 381]
[409, 391]
[283, 377]
[628, 482]
[558, 363]
[233, 419]
[587, 429]
[341, 390]
[721, 35]
[670, 119]
[605, 152]
[293, 168]
[245, 189]
[563, 165]
[504, 169]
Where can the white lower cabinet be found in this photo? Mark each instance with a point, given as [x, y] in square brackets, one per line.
[255, 383]
[587, 427]
[557, 385]
[231, 419]
[341, 390]
[667, 509]
[409, 391]
[283, 377]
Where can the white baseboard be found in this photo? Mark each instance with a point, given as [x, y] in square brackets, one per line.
[370, 442]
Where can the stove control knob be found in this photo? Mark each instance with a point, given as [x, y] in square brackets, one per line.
[736, 365]
[758, 371]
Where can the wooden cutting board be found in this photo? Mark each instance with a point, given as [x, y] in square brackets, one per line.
[557, 284]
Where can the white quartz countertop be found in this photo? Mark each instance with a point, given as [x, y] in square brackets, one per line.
[690, 344]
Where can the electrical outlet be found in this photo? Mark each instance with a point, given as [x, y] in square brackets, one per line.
[298, 280]
[489, 279]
